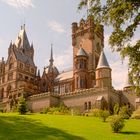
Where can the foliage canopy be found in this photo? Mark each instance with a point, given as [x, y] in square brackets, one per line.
[124, 18]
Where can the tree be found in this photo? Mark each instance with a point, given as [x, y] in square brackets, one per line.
[116, 109]
[125, 112]
[22, 106]
[124, 18]
[104, 114]
[116, 122]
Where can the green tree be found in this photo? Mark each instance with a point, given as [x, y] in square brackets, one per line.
[125, 112]
[116, 122]
[116, 109]
[104, 114]
[124, 18]
[22, 106]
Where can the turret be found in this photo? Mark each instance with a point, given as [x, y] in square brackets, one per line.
[103, 72]
[80, 69]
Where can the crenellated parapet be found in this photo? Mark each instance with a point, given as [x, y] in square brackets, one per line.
[42, 95]
[84, 92]
[69, 94]
[86, 26]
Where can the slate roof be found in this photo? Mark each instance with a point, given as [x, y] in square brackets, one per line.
[102, 61]
[64, 76]
[22, 39]
[23, 58]
[51, 68]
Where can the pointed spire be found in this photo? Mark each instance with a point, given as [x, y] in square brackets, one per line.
[22, 39]
[102, 61]
[51, 57]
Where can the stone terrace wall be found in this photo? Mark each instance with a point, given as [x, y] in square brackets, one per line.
[77, 99]
[37, 103]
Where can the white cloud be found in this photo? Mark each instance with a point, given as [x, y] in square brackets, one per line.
[119, 73]
[55, 26]
[20, 3]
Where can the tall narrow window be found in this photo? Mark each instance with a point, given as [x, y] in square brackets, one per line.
[85, 106]
[89, 105]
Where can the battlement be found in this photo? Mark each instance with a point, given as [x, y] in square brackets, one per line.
[70, 94]
[42, 95]
[86, 26]
[83, 91]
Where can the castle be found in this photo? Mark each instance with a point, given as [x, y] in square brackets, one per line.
[87, 85]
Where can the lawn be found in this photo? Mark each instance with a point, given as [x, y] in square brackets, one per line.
[56, 127]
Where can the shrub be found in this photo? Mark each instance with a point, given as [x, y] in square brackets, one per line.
[136, 114]
[104, 114]
[22, 106]
[1, 110]
[116, 122]
[125, 112]
[116, 109]
[95, 112]
[76, 112]
[59, 110]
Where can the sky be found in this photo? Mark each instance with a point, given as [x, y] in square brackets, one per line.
[49, 22]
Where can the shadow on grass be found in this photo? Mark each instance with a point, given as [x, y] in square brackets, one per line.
[21, 128]
[129, 133]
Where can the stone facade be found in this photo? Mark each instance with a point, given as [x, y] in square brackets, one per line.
[87, 85]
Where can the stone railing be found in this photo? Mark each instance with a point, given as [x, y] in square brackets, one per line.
[84, 91]
[42, 95]
[69, 94]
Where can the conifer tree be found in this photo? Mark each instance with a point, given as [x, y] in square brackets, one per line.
[22, 106]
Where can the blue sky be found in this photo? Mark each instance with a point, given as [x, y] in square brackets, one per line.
[49, 21]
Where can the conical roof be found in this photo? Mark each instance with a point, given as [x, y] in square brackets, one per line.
[22, 39]
[81, 52]
[102, 61]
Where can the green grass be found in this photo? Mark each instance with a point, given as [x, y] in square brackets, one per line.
[55, 127]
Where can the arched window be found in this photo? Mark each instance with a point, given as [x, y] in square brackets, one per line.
[85, 106]
[82, 82]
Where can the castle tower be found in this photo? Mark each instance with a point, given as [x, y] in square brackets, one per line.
[80, 71]
[87, 36]
[103, 72]
[19, 70]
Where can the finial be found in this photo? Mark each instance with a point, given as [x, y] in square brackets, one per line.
[24, 26]
[21, 27]
[11, 42]
[51, 57]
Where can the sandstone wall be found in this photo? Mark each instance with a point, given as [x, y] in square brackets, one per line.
[38, 102]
